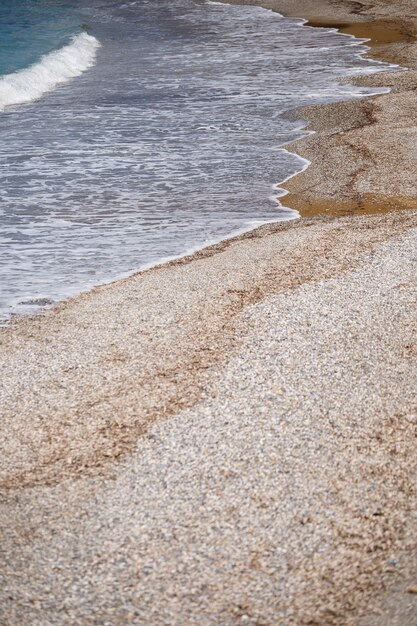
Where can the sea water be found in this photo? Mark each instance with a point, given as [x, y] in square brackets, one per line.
[133, 131]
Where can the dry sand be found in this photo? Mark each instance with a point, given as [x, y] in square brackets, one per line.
[266, 453]
[230, 438]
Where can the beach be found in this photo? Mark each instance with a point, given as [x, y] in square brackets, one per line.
[229, 438]
[372, 140]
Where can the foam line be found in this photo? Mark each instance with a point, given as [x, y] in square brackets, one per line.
[51, 70]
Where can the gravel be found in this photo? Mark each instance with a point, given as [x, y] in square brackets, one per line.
[283, 494]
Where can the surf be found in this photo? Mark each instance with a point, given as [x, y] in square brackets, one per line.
[53, 69]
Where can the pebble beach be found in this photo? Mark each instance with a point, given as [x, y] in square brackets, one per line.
[229, 438]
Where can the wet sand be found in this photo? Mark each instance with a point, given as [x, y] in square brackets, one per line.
[378, 32]
[363, 156]
[230, 438]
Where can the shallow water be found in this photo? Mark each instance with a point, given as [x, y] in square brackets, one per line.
[159, 131]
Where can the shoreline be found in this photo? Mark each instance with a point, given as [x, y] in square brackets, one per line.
[362, 132]
[33, 309]
[295, 201]
[227, 437]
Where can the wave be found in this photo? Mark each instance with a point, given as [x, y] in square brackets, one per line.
[51, 70]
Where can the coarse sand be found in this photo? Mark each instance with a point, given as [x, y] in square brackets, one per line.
[225, 439]
[230, 438]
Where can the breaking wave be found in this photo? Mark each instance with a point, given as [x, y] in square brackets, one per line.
[51, 70]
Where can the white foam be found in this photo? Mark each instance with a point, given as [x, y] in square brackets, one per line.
[51, 70]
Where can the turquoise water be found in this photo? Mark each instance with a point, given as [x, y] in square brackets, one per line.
[159, 130]
[31, 28]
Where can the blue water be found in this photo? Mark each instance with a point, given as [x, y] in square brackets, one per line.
[133, 131]
[31, 28]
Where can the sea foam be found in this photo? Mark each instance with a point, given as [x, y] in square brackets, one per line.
[51, 70]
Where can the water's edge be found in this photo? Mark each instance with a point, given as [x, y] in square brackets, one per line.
[279, 193]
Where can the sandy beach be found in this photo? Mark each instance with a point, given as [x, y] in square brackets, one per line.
[372, 140]
[230, 438]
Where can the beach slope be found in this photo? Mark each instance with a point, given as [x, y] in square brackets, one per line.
[363, 155]
[230, 438]
[225, 439]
